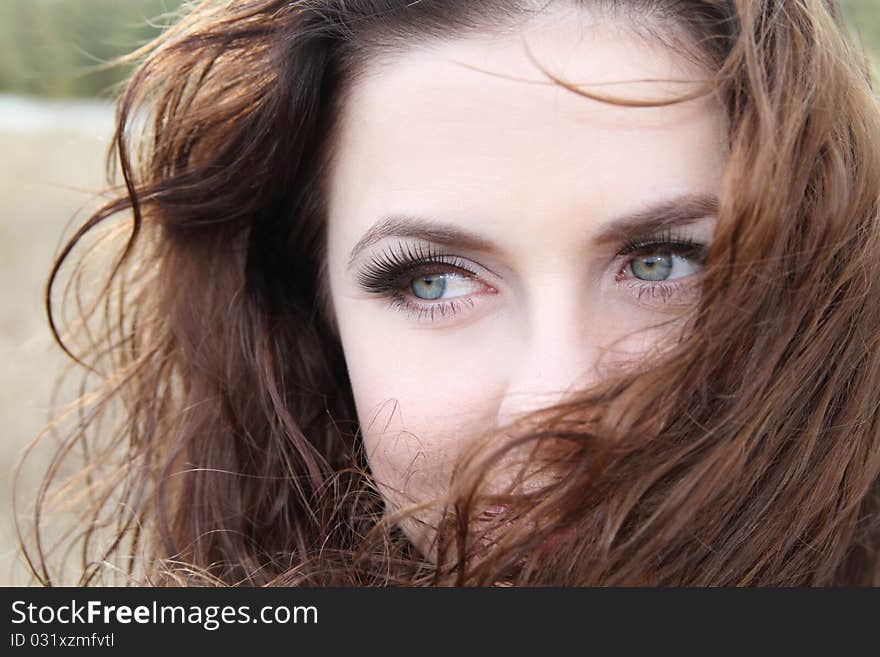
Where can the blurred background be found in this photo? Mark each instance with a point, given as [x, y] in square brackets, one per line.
[55, 124]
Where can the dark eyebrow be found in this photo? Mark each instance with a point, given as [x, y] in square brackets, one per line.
[649, 220]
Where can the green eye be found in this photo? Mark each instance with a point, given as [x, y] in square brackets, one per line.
[662, 266]
[429, 287]
[655, 267]
[441, 285]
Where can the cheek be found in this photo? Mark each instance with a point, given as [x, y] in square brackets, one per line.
[420, 398]
[628, 346]
[626, 332]
[417, 410]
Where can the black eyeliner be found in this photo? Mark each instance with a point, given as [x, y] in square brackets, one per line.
[667, 240]
[388, 271]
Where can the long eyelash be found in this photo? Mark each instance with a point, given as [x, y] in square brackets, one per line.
[654, 290]
[386, 272]
[678, 242]
[451, 307]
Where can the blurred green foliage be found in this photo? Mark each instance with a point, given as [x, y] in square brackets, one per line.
[863, 17]
[55, 47]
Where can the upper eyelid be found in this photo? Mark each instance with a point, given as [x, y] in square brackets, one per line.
[668, 236]
[403, 256]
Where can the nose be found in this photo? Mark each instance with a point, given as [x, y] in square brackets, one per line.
[553, 358]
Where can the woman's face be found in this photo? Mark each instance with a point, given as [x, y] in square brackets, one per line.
[495, 240]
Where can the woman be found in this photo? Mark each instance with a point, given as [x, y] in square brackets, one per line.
[451, 292]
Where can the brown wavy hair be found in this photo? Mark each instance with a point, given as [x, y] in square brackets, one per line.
[218, 433]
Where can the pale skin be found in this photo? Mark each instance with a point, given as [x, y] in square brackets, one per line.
[540, 175]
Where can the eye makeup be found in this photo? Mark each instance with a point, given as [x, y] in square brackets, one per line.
[390, 274]
[669, 245]
[399, 273]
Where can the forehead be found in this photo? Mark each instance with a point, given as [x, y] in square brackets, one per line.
[472, 127]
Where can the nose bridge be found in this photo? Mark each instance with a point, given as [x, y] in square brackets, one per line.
[553, 354]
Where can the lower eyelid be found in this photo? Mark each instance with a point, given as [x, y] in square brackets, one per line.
[661, 291]
[430, 310]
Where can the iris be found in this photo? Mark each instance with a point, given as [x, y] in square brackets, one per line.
[429, 287]
[655, 267]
